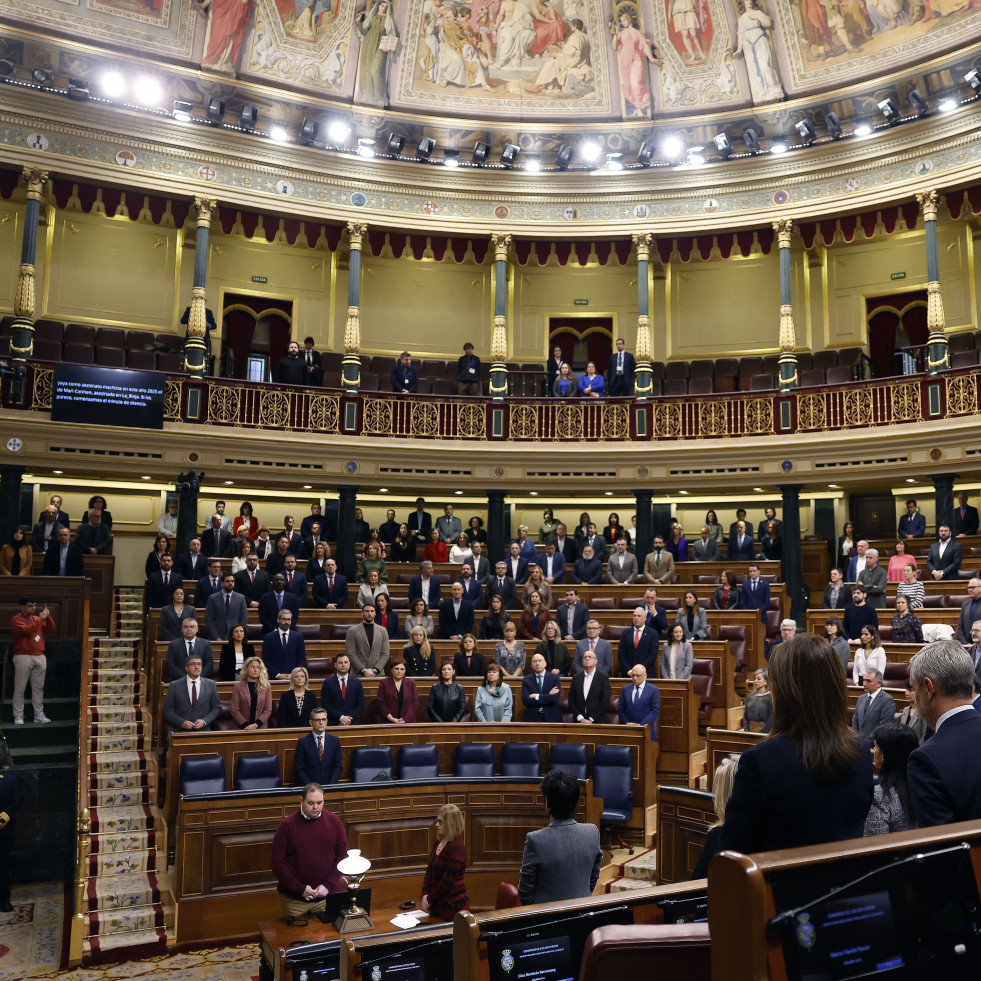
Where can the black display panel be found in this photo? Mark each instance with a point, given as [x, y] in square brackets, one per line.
[402, 960]
[92, 396]
[315, 962]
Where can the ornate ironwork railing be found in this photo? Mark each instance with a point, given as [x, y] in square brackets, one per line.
[246, 405]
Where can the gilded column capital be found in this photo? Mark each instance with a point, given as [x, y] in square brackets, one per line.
[502, 246]
[928, 202]
[642, 243]
[784, 229]
[35, 178]
[205, 209]
[356, 231]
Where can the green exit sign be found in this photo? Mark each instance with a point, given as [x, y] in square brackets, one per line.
[581, 303]
[265, 279]
[897, 275]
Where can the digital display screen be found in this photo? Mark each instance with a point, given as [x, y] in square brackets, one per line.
[93, 396]
[426, 960]
[535, 960]
[322, 964]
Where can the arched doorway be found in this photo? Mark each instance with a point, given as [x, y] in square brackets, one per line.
[582, 339]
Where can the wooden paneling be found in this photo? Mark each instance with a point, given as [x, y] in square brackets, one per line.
[64, 596]
[684, 817]
[681, 750]
[720, 743]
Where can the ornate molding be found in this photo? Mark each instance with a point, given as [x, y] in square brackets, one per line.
[24, 298]
[502, 247]
[642, 244]
[927, 200]
[784, 230]
[352, 331]
[356, 232]
[788, 335]
[644, 345]
[935, 309]
[499, 339]
[204, 209]
[35, 178]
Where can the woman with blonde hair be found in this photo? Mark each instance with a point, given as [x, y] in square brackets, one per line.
[296, 704]
[444, 891]
[536, 582]
[722, 781]
[252, 696]
[420, 662]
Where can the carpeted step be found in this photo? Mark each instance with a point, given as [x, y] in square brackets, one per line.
[118, 781]
[114, 676]
[114, 701]
[126, 743]
[127, 862]
[113, 893]
[116, 819]
[125, 924]
[626, 885]
[642, 865]
[119, 797]
[116, 762]
[116, 713]
[110, 729]
[123, 841]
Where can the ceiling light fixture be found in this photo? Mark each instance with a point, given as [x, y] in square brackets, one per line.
[889, 110]
[395, 144]
[722, 145]
[366, 148]
[590, 151]
[309, 129]
[480, 153]
[805, 131]
[533, 165]
[451, 158]
[182, 111]
[425, 148]
[833, 125]
[614, 161]
[948, 105]
[248, 116]
[43, 77]
[509, 155]
[278, 134]
[78, 89]
[147, 91]
[646, 153]
[564, 156]
[338, 131]
[215, 113]
[672, 148]
[752, 141]
[863, 128]
[918, 101]
[779, 146]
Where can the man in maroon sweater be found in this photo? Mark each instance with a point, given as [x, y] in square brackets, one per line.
[30, 664]
[306, 849]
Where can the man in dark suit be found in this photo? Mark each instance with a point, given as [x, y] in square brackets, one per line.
[572, 616]
[311, 541]
[944, 774]
[294, 540]
[706, 549]
[740, 516]
[283, 649]
[965, 517]
[192, 564]
[224, 610]
[517, 566]
[540, 693]
[769, 514]
[271, 604]
[62, 519]
[312, 369]
[180, 649]
[455, 614]
[473, 592]
[639, 645]
[970, 610]
[561, 861]
[46, 530]
[620, 371]
[874, 708]
[405, 375]
[655, 616]
[468, 372]
[836, 593]
[640, 702]
[63, 558]
[296, 582]
[216, 541]
[481, 567]
[589, 694]
[276, 561]
[330, 588]
[317, 757]
[588, 570]
[741, 544]
[252, 581]
[389, 528]
[211, 583]
[593, 643]
[425, 586]
[755, 593]
[501, 584]
[552, 367]
[192, 701]
[93, 536]
[420, 522]
[945, 556]
[160, 585]
[564, 545]
[306, 525]
[552, 564]
[595, 541]
[342, 694]
[912, 524]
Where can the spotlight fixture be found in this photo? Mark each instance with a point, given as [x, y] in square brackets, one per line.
[918, 101]
[425, 148]
[248, 116]
[451, 158]
[590, 151]
[309, 129]
[338, 131]
[672, 148]
[779, 146]
[278, 134]
[533, 165]
[147, 91]
[805, 131]
[366, 147]
[42, 77]
[395, 144]
[509, 154]
[182, 111]
[614, 161]
[564, 157]
[889, 110]
[752, 141]
[974, 80]
[6, 69]
[78, 89]
[480, 152]
[863, 128]
[723, 145]
[646, 153]
[833, 125]
[696, 156]
[215, 113]
[948, 105]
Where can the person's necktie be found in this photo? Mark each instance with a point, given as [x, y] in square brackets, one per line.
[343, 688]
[636, 690]
[166, 578]
[592, 644]
[252, 575]
[282, 637]
[657, 557]
[636, 637]
[227, 603]
[291, 580]
[752, 585]
[194, 693]
[330, 584]
[214, 585]
[868, 704]
[279, 600]
[190, 648]
[541, 682]
[320, 747]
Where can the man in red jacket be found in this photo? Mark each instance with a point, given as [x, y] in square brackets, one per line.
[30, 664]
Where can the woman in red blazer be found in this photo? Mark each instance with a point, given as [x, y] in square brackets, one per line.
[252, 696]
[397, 701]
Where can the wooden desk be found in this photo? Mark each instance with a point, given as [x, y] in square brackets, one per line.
[720, 743]
[681, 751]
[684, 817]
[100, 570]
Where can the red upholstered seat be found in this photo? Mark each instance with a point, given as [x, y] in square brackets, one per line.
[507, 896]
[652, 951]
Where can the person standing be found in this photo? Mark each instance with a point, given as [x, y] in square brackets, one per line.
[620, 369]
[317, 758]
[444, 890]
[30, 662]
[468, 372]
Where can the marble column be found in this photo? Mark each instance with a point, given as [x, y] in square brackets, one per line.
[943, 484]
[938, 355]
[351, 365]
[10, 483]
[347, 563]
[788, 337]
[643, 387]
[498, 388]
[496, 532]
[792, 561]
[197, 347]
[644, 531]
[22, 329]
[188, 487]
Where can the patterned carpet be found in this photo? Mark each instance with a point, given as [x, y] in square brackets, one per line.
[31, 937]
[217, 964]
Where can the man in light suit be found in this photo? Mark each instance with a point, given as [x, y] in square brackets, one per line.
[283, 649]
[420, 522]
[572, 616]
[455, 614]
[160, 585]
[182, 648]
[659, 565]
[874, 708]
[224, 610]
[192, 564]
[970, 611]
[342, 694]
[620, 371]
[741, 544]
[755, 593]
[945, 556]
[252, 582]
[944, 774]
[965, 517]
[552, 564]
[639, 645]
[622, 567]
[216, 541]
[706, 549]
[296, 582]
[561, 861]
[62, 557]
[276, 600]
[366, 645]
[595, 644]
[473, 592]
[192, 701]
[481, 567]
[448, 526]
[540, 693]
[589, 694]
[425, 586]
[330, 588]
[501, 584]
[640, 703]
[317, 757]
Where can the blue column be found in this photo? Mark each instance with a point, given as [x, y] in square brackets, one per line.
[938, 355]
[197, 348]
[351, 365]
[22, 329]
[788, 337]
[643, 386]
[498, 388]
[792, 561]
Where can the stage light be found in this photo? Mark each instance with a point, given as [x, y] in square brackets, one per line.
[533, 165]
[948, 105]
[805, 131]
[395, 144]
[248, 116]
[889, 110]
[779, 146]
[590, 151]
[309, 129]
[974, 80]
[78, 89]
[182, 111]
[480, 152]
[215, 112]
[147, 91]
[752, 141]
[722, 145]
[425, 148]
[672, 148]
[833, 125]
[696, 156]
[366, 148]
[42, 77]
[564, 157]
[6, 68]
[863, 128]
[918, 101]
[338, 131]
[451, 158]
[614, 161]
[510, 154]
[646, 153]
[278, 134]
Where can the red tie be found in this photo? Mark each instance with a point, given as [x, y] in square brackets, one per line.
[291, 580]
[320, 747]
[343, 688]
[194, 693]
[253, 577]
[592, 645]
[330, 584]
[636, 637]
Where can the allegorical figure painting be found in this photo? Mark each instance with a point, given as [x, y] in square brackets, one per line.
[754, 43]
[228, 23]
[634, 52]
[379, 39]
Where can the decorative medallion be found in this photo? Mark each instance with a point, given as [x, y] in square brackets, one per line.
[37, 141]
[710, 206]
[851, 185]
[781, 197]
[924, 167]
[125, 158]
[358, 199]
[786, 466]
[207, 173]
[431, 207]
[502, 211]
[350, 467]
[641, 211]
[571, 214]
[284, 187]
